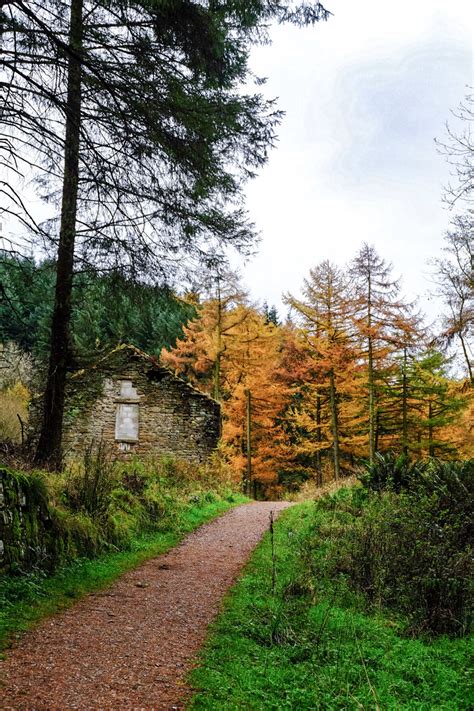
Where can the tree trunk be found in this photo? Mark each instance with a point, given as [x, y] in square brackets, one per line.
[431, 447]
[49, 444]
[372, 415]
[466, 358]
[217, 366]
[376, 430]
[371, 380]
[249, 442]
[335, 424]
[319, 437]
[405, 405]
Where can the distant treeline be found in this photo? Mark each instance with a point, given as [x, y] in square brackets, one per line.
[107, 309]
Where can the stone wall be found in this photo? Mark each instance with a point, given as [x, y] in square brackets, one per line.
[28, 535]
[173, 417]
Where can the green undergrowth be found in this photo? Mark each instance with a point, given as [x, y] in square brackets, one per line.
[26, 599]
[99, 505]
[315, 641]
[73, 532]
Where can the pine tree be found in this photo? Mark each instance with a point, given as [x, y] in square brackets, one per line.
[107, 309]
[438, 405]
[26, 296]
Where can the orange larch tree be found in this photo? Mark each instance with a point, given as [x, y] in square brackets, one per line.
[257, 397]
[207, 339]
[324, 314]
[233, 352]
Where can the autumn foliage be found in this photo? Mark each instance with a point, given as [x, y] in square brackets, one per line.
[233, 353]
[351, 373]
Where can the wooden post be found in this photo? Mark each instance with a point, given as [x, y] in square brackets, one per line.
[249, 442]
[272, 540]
[22, 425]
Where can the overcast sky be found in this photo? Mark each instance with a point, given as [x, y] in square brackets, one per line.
[365, 94]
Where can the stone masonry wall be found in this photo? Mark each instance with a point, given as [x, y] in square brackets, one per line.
[174, 418]
[28, 535]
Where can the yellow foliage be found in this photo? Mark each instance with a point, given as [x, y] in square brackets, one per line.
[19, 392]
[13, 404]
[461, 433]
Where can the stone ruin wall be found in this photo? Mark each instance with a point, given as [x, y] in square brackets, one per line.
[29, 537]
[173, 418]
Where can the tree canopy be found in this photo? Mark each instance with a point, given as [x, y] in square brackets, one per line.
[133, 117]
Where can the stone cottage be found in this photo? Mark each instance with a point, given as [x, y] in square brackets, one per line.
[139, 408]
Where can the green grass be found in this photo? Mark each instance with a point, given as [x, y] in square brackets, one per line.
[313, 645]
[24, 600]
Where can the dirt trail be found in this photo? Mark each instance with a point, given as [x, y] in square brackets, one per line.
[131, 646]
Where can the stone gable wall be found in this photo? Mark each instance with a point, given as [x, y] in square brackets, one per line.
[174, 419]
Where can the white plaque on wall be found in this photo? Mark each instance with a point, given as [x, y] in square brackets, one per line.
[126, 423]
[127, 391]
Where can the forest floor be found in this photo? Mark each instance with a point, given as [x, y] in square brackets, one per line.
[132, 645]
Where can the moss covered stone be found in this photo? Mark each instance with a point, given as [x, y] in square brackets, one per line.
[30, 536]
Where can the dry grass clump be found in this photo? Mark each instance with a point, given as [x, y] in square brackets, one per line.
[312, 490]
[13, 412]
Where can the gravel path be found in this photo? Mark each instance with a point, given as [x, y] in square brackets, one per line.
[131, 646]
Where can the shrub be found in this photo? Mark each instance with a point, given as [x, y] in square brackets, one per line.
[390, 471]
[451, 484]
[413, 551]
[404, 556]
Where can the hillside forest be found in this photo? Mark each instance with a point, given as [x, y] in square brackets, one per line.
[351, 371]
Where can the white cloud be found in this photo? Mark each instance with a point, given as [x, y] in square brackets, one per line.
[365, 95]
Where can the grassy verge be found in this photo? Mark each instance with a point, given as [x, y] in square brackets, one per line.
[313, 644]
[27, 599]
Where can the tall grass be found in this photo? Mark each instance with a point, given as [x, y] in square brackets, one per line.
[98, 504]
[13, 414]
